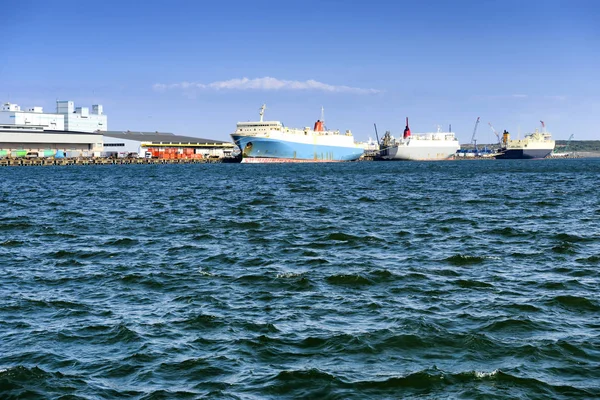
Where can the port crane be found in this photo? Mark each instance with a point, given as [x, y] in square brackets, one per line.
[568, 143]
[495, 133]
[473, 140]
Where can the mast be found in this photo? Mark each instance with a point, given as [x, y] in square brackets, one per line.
[262, 112]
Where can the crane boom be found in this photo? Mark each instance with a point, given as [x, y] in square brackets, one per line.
[568, 142]
[495, 133]
[473, 141]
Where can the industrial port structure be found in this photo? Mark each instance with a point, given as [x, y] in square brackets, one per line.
[78, 132]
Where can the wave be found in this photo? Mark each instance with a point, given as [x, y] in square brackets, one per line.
[473, 284]
[205, 367]
[508, 232]
[574, 303]
[382, 275]
[14, 226]
[595, 259]
[565, 237]
[349, 280]
[32, 305]
[105, 334]
[258, 327]
[366, 199]
[460, 259]
[11, 243]
[565, 248]
[82, 254]
[201, 237]
[248, 225]
[20, 381]
[513, 325]
[525, 307]
[312, 383]
[261, 202]
[201, 321]
[351, 239]
[121, 242]
[145, 280]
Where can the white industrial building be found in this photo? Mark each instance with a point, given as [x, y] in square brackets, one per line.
[67, 117]
[11, 114]
[81, 119]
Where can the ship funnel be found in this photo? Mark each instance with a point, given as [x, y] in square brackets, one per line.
[318, 126]
[505, 137]
[406, 130]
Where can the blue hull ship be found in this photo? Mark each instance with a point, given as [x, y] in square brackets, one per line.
[271, 141]
[285, 151]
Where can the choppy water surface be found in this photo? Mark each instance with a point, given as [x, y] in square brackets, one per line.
[361, 280]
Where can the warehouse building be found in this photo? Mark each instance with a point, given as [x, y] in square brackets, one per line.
[162, 145]
[20, 141]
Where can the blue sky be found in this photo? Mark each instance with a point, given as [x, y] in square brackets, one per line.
[178, 66]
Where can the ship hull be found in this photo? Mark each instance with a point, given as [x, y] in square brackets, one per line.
[258, 149]
[517, 154]
[420, 153]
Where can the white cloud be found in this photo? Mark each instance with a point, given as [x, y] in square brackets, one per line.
[266, 83]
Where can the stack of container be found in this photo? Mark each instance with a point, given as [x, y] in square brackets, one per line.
[175, 153]
[18, 153]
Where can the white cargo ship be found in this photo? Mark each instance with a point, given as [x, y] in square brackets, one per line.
[423, 146]
[534, 145]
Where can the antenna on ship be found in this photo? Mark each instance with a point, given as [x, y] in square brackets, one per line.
[262, 112]
[323, 117]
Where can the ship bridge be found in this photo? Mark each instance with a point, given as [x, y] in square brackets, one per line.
[259, 126]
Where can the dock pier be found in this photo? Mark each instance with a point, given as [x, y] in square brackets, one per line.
[38, 162]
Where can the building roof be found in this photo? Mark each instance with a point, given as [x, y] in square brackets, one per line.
[42, 130]
[158, 137]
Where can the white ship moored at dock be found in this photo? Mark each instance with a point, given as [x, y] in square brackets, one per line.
[271, 141]
[534, 145]
[424, 146]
